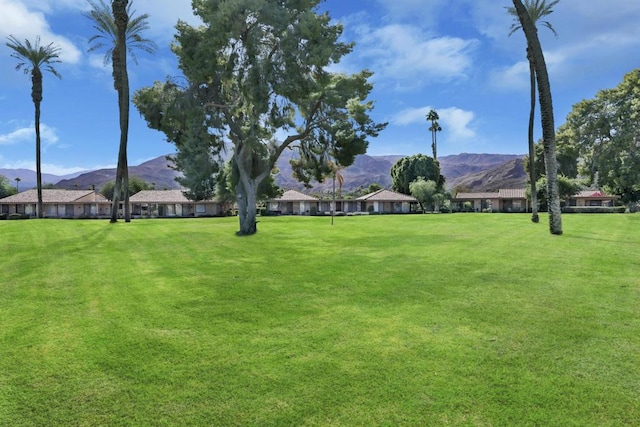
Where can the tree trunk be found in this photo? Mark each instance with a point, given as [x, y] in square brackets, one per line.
[36, 96]
[546, 111]
[532, 173]
[246, 199]
[121, 84]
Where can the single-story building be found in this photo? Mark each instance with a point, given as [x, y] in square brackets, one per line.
[293, 202]
[503, 200]
[58, 203]
[386, 201]
[593, 198]
[172, 203]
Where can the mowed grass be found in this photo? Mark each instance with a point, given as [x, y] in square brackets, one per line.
[464, 319]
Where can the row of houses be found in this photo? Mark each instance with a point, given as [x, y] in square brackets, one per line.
[173, 203]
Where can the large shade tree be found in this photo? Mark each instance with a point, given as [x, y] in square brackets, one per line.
[410, 168]
[546, 112]
[606, 131]
[258, 71]
[34, 58]
[120, 33]
[537, 10]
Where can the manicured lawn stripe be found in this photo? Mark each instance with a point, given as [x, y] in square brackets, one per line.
[478, 319]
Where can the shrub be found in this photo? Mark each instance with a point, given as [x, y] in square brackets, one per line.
[594, 209]
[18, 216]
[3, 216]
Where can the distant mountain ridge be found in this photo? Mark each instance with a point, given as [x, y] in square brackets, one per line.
[475, 172]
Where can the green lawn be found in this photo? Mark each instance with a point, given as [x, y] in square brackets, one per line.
[464, 319]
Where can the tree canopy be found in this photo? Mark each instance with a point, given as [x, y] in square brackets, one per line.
[606, 132]
[424, 191]
[6, 188]
[256, 76]
[135, 185]
[408, 169]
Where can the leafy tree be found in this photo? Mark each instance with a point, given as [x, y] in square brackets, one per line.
[567, 187]
[606, 132]
[227, 182]
[546, 111]
[433, 117]
[32, 59]
[120, 33]
[537, 9]
[258, 72]
[424, 191]
[374, 187]
[408, 169]
[6, 189]
[135, 186]
[567, 155]
[179, 112]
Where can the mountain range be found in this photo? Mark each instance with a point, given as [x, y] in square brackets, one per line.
[471, 172]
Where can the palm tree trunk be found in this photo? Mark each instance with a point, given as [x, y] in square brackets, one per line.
[532, 173]
[36, 96]
[121, 84]
[546, 112]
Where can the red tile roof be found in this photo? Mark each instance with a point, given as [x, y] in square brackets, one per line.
[387, 196]
[294, 196]
[55, 196]
[159, 196]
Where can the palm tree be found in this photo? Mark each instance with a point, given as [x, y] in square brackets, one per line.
[17, 181]
[107, 33]
[546, 112]
[537, 9]
[433, 117]
[33, 58]
[120, 33]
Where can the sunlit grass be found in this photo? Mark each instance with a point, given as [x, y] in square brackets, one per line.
[478, 319]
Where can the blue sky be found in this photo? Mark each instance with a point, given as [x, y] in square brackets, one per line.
[451, 55]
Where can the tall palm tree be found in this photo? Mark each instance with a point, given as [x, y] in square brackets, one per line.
[33, 58]
[546, 112]
[537, 9]
[433, 117]
[17, 182]
[120, 33]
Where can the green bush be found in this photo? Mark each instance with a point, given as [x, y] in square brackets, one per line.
[3, 216]
[18, 216]
[594, 209]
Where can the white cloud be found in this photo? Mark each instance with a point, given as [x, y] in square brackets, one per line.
[517, 77]
[19, 20]
[50, 168]
[407, 56]
[48, 135]
[62, 170]
[457, 122]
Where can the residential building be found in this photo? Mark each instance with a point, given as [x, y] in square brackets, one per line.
[58, 203]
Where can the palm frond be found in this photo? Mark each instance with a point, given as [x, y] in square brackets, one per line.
[34, 56]
[106, 31]
[537, 9]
